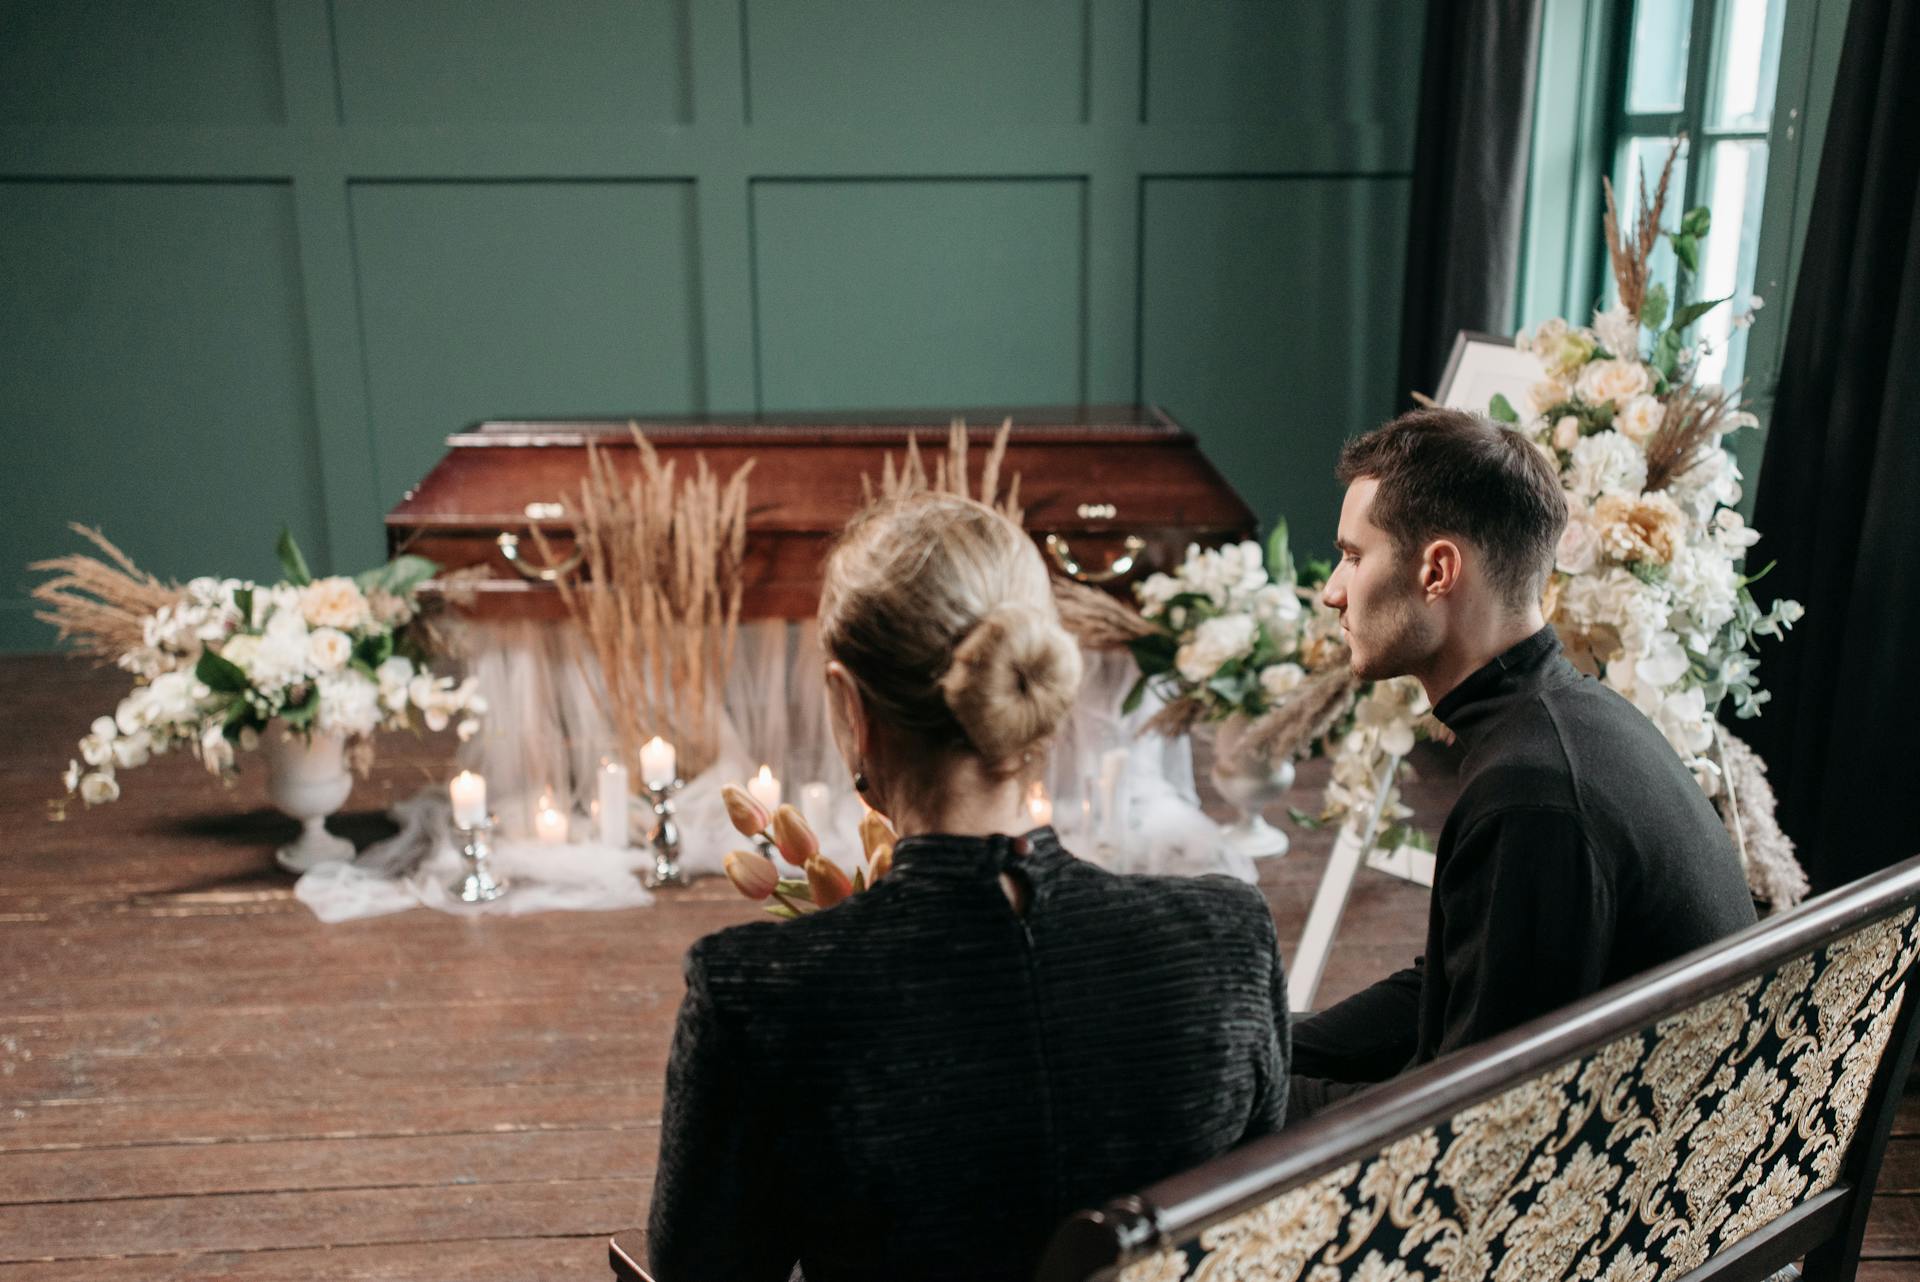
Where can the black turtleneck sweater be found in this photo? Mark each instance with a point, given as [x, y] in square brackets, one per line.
[1580, 852]
[921, 1083]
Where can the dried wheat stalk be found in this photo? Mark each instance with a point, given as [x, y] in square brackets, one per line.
[101, 606]
[950, 474]
[1629, 257]
[1176, 718]
[1694, 419]
[1097, 620]
[662, 608]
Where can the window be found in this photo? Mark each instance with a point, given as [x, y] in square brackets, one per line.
[1706, 69]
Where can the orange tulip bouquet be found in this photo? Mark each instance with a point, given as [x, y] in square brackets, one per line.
[755, 874]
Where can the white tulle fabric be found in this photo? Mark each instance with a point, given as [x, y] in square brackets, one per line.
[1120, 799]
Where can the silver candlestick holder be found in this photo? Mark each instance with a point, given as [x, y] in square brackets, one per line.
[666, 835]
[479, 886]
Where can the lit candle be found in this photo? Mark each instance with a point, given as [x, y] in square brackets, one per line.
[469, 793]
[613, 804]
[816, 806]
[1038, 805]
[657, 760]
[549, 825]
[765, 789]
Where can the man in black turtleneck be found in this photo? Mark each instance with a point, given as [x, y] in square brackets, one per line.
[1581, 851]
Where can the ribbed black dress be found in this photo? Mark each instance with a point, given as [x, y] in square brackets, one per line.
[922, 1084]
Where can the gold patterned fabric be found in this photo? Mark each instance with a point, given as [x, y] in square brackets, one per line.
[1635, 1163]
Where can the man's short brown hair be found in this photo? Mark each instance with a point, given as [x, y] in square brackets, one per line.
[1446, 472]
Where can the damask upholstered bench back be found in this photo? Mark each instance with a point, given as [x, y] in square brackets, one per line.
[1724, 1113]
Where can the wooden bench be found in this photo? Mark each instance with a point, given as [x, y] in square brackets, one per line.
[1719, 1117]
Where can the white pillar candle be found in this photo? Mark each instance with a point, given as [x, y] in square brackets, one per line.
[549, 824]
[765, 789]
[657, 761]
[1039, 805]
[469, 794]
[613, 804]
[816, 806]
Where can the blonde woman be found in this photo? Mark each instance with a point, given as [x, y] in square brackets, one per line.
[923, 1081]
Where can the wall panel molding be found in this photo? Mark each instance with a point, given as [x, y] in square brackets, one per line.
[644, 163]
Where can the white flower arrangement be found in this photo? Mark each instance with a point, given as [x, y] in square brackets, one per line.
[1649, 591]
[222, 658]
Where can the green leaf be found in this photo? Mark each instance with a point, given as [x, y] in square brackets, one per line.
[1501, 409]
[243, 602]
[1280, 566]
[1305, 820]
[1687, 249]
[292, 564]
[1154, 652]
[1134, 696]
[785, 912]
[299, 716]
[220, 675]
[399, 576]
[1317, 570]
[1653, 311]
[1694, 311]
[1666, 353]
[1697, 221]
[374, 650]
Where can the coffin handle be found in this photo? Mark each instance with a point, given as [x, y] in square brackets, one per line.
[1123, 564]
[510, 549]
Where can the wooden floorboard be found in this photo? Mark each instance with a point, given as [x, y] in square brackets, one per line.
[198, 1080]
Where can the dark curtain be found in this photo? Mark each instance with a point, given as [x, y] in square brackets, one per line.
[1839, 496]
[1469, 179]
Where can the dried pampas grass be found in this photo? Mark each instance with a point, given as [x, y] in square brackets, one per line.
[1288, 730]
[660, 606]
[1694, 420]
[100, 606]
[1747, 808]
[951, 474]
[1629, 255]
[1097, 620]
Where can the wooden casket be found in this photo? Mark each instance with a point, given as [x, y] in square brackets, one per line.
[1111, 493]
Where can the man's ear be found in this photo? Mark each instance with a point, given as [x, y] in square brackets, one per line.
[1441, 564]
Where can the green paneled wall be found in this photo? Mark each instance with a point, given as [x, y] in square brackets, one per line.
[258, 257]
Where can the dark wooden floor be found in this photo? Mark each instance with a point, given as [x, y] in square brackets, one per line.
[196, 1073]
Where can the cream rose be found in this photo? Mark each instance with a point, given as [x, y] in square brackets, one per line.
[1280, 679]
[1648, 529]
[1566, 432]
[1579, 547]
[334, 603]
[1215, 642]
[1640, 418]
[1615, 382]
[1542, 397]
[329, 649]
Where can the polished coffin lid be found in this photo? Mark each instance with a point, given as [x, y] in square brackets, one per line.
[1104, 488]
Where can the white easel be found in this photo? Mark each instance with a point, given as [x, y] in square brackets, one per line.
[1349, 850]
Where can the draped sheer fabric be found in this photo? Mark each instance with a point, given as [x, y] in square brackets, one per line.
[1126, 802]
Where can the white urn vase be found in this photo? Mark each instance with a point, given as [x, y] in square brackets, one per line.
[308, 779]
[1252, 782]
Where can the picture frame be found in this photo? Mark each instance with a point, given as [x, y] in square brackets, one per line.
[1482, 366]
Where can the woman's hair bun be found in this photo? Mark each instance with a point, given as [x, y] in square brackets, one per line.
[1013, 680]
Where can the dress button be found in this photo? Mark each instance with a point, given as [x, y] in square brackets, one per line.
[1022, 847]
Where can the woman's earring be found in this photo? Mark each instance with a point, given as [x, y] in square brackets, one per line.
[859, 781]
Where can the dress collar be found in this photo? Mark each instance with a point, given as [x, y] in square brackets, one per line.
[950, 855]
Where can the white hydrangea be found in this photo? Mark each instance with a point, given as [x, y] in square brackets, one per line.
[349, 704]
[1605, 463]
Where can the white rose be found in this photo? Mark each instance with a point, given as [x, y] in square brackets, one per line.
[1216, 642]
[1542, 397]
[98, 788]
[335, 603]
[1579, 547]
[1153, 594]
[1280, 679]
[329, 649]
[1566, 432]
[1615, 381]
[240, 650]
[1640, 418]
